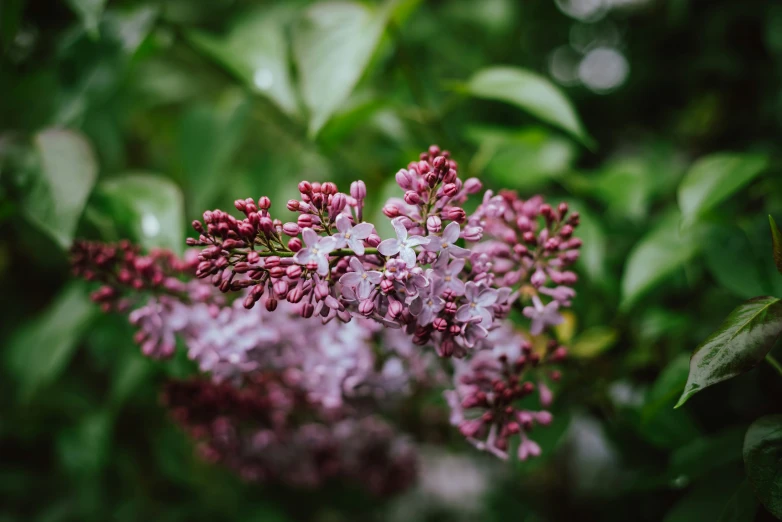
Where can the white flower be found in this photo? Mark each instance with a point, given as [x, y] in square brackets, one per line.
[317, 251]
[352, 236]
[402, 245]
[445, 243]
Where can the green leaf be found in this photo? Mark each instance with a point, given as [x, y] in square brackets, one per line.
[713, 179]
[741, 342]
[208, 139]
[706, 454]
[151, 208]
[776, 239]
[730, 258]
[705, 501]
[762, 457]
[39, 351]
[659, 254]
[530, 92]
[659, 424]
[527, 158]
[60, 188]
[593, 342]
[255, 50]
[90, 12]
[84, 447]
[742, 506]
[332, 45]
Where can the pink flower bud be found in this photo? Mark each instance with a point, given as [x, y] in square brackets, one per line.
[454, 214]
[451, 176]
[338, 203]
[373, 240]
[434, 224]
[295, 295]
[412, 197]
[472, 234]
[404, 179]
[386, 286]
[294, 244]
[366, 307]
[424, 167]
[240, 205]
[266, 225]
[264, 203]
[395, 309]
[293, 205]
[307, 310]
[271, 304]
[434, 150]
[473, 185]
[440, 324]
[328, 188]
[305, 221]
[391, 210]
[450, 189]
[358, 190]
[305, 187]
[291, 229]
[439, 162]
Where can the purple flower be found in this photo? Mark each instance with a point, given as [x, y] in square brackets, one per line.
[447, 275]
[542, 316]
[317, 251]
[364, 281]
[472, 333]
[352, 236]
[479, 302]
[446, 242]
[402, 245]
[426, 306]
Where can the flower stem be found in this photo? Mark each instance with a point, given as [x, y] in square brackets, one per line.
[773, 362]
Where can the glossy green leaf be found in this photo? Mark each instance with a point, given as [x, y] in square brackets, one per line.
[332, 45]
[659, 254]
[715, 178]
[742, 506]
[530, 92]
[90, 12]
[152, 209]
[737, 346]
[762, 458]
[255, 50]
[593, 342]
[59, 190]
[776, 239]
[39, 351]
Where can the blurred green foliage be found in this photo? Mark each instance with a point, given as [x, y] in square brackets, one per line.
[129, 118]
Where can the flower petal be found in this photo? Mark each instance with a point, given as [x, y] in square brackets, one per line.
[310, 236]
[343, 223]
[356, 265]
[356, 245]
[451, 232]
[408, 256]
[399, 228]
[388, 247]
[457, 251]
[362, 230]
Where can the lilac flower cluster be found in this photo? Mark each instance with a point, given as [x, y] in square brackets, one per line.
[268, 431]
[336, 266]
[448, 279]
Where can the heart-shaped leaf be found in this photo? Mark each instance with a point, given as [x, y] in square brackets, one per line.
[762, 457]
[776, 239]
[714, 178]
[332, 45]
[741, 342]
[60, 188]
[530, 92]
